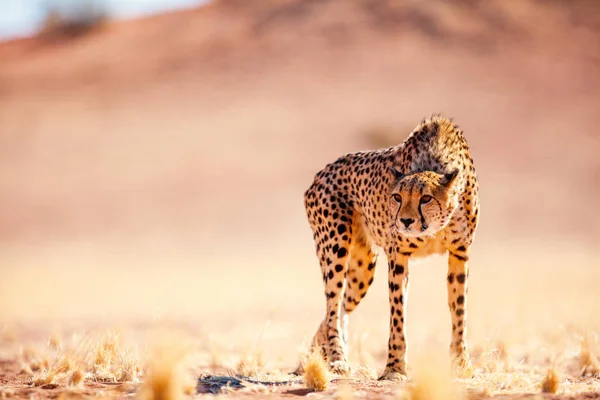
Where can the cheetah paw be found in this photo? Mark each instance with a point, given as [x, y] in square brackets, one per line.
[340, 367]
[392, 376]
[463, 369]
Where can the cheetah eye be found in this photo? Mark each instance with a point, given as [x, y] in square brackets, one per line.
[397, 198]
[425, 199]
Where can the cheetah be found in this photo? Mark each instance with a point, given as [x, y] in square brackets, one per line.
[411, 200]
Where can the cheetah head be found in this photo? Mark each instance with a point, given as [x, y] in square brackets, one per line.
[422, 203]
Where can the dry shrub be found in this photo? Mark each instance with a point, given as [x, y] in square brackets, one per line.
[551, 382]
[316, 372]
[433, 381]
[82, 17]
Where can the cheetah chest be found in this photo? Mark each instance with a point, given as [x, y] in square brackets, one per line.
[429, 246]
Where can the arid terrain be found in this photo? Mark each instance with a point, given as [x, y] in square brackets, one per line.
[151, 182]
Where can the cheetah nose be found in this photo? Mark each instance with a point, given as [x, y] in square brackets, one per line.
[407, 221]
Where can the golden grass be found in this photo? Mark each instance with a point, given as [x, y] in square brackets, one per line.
[43, 378]
[26, 370]
[251, 363]
[97, 359]
[76, 377]
[316, 372]
[492, 358]
[503, 354]
[588, 361]
[365, 372]
[433, 381]
[64, 364]
[33, 361]
[101, 360]
[551, 382]
[165, 378]
[110, 363]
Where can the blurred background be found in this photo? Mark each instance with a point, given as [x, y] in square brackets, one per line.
[154, 155]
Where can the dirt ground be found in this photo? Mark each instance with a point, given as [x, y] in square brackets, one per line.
[151, 181]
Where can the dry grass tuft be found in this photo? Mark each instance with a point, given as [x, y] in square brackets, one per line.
[43, 378]
[551, 382]
[76, 377]
[39, 364]
[503, 354]
[316, 372]
[492, 358]
[588, 361]
[26, 370]
[433, 381]
[96, 357]
[165, 379]
[365, 372]
[251, 363]
[112, 364]
[33, 361]
[63, 365]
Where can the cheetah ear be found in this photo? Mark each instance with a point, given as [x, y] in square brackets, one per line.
[448, 179]
[397, 174]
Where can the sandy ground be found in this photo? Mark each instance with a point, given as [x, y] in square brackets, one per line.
[152, 171]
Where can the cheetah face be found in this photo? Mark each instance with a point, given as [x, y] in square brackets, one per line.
[422, 203]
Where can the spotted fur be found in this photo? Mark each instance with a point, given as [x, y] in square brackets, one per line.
[411, 200]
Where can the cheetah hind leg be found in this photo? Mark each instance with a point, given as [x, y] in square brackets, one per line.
[361, 269]
[359, 277]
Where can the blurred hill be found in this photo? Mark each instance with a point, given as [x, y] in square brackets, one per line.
[185, 131]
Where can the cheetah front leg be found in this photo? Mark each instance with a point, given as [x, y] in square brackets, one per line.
[398, 290]
[458, 274]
